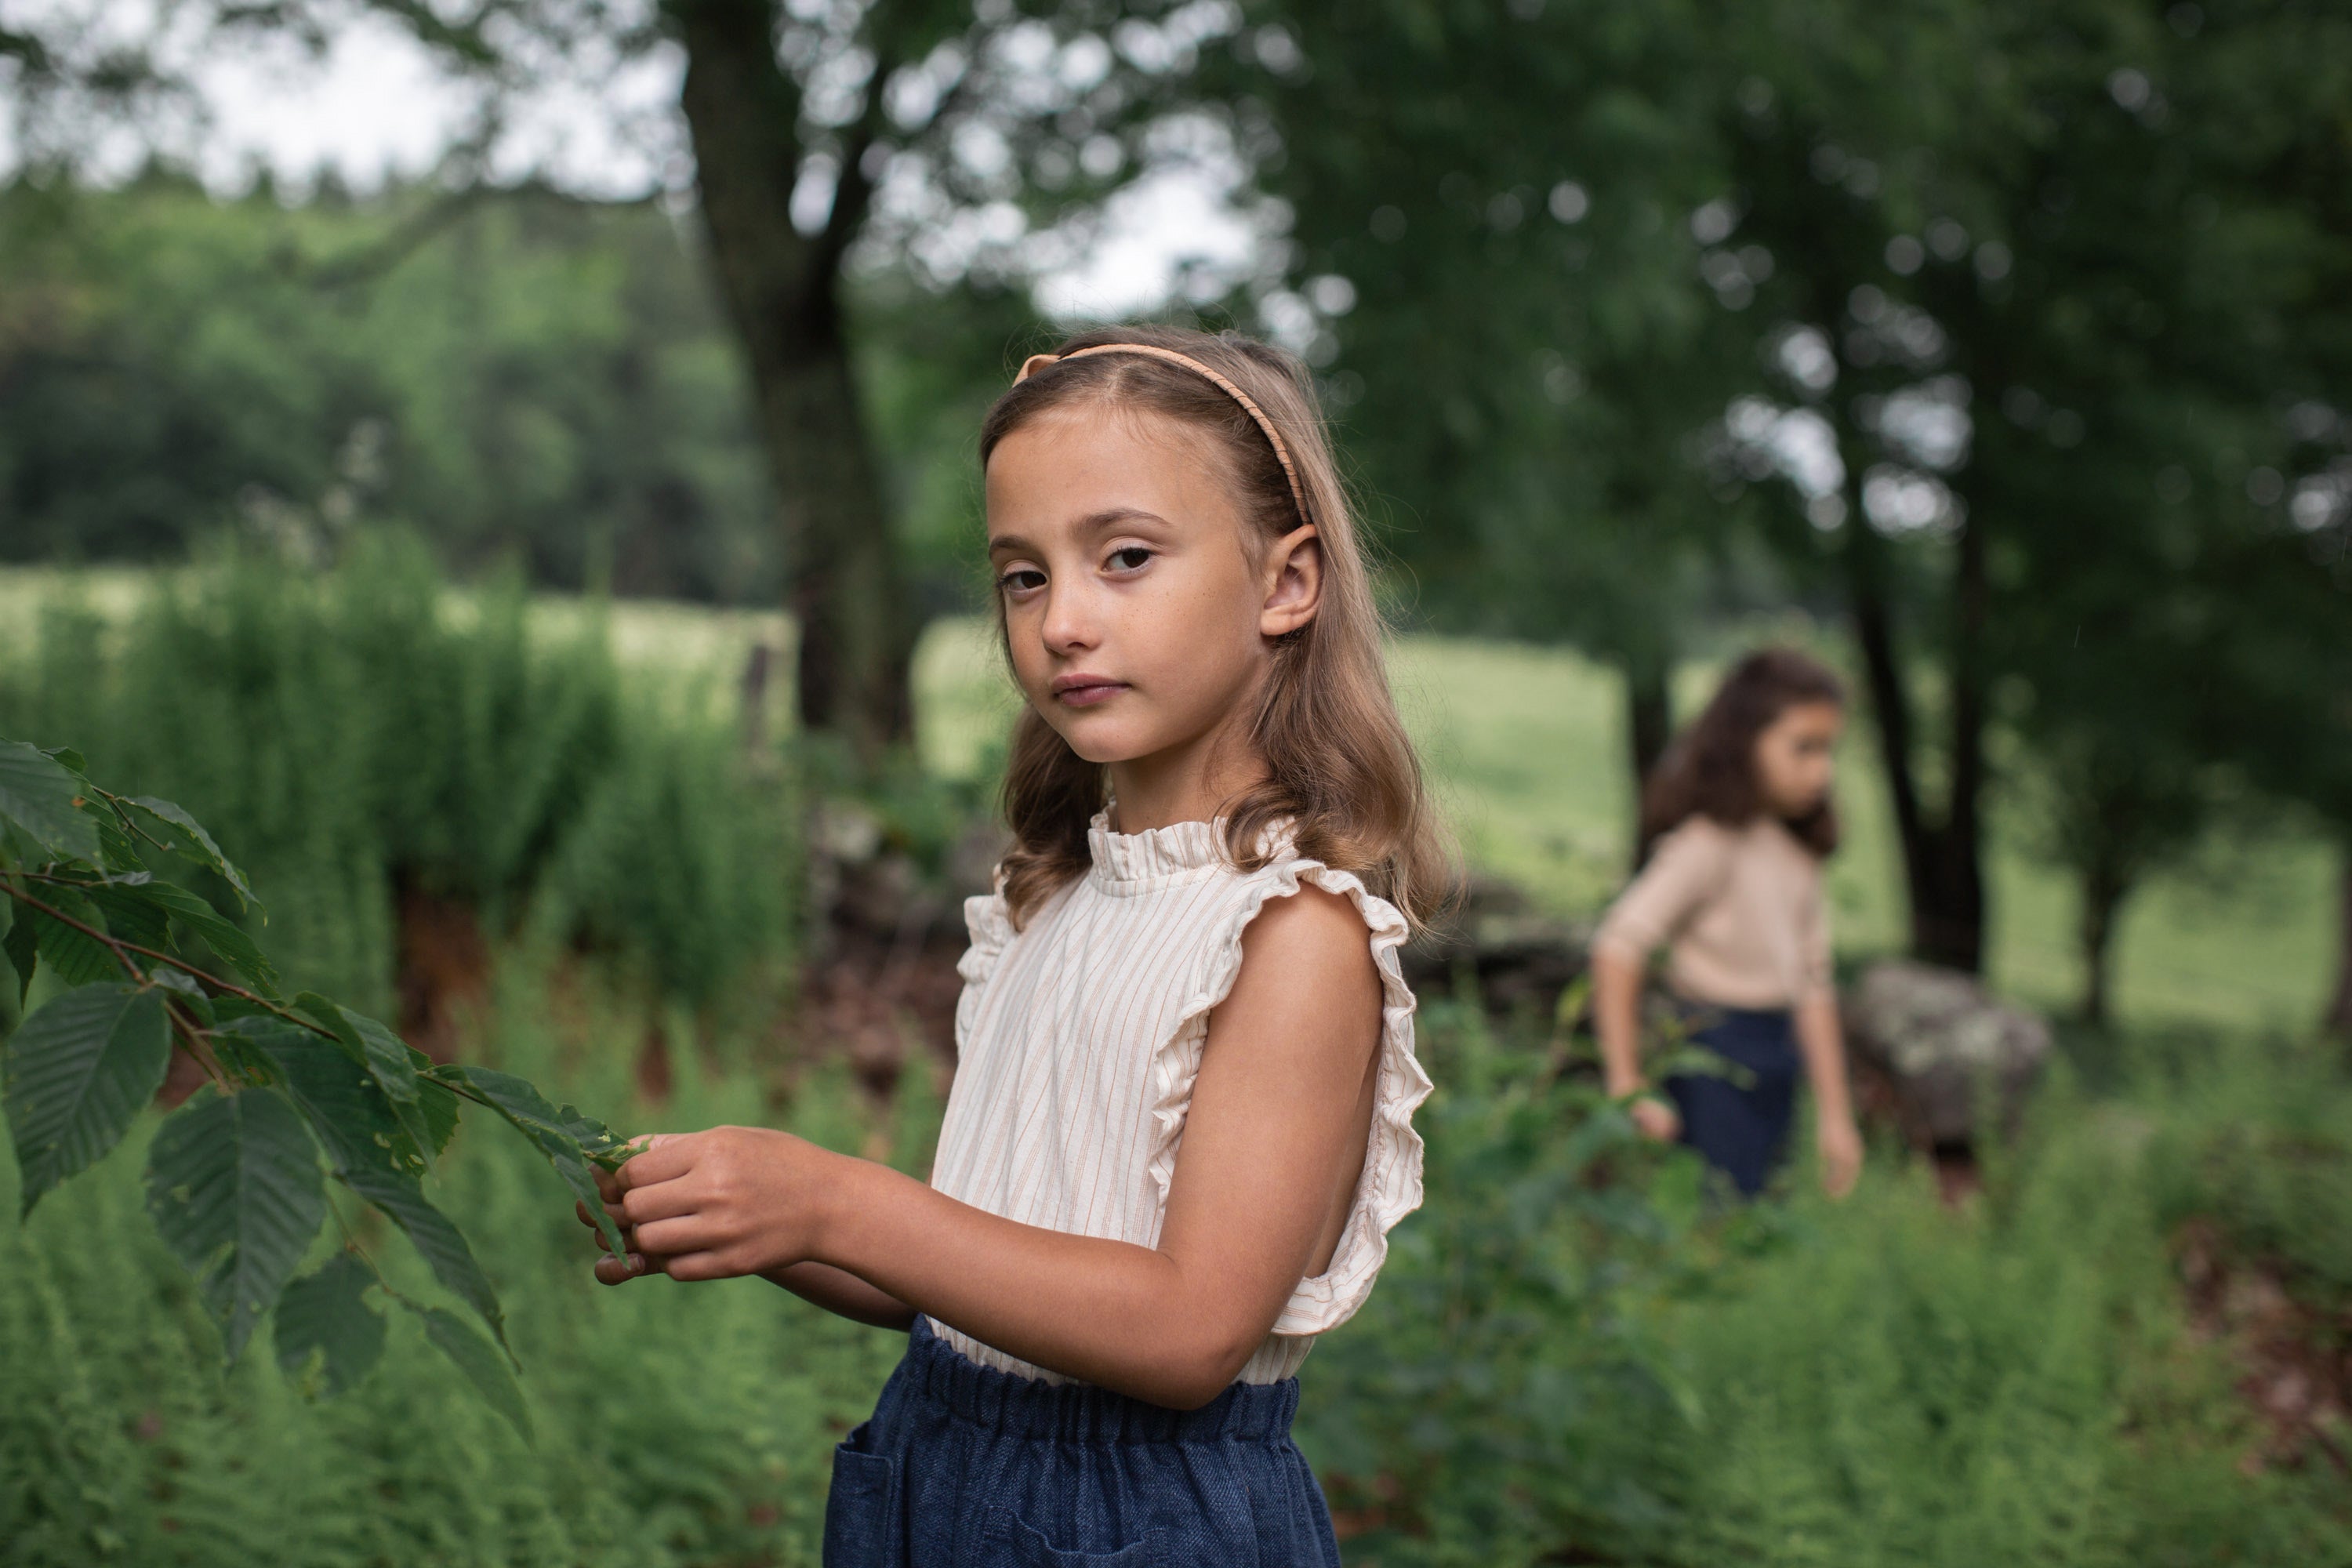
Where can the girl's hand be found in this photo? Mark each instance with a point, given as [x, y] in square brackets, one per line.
[711, 1206]
[1839, 1147]
[1655, 1119]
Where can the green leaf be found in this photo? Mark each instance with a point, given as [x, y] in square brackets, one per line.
[38, 794]
[190, 995]
[220, 933]
[191, 841]
[141, 922]
[21, 946]
[372, 1153]
[384, 1053]
[232, 1183]
[324, 1313]
[118, 852]
[76, 1071]
[387, 1057]
[439, 1242]
[329, 1017]
[437, 1108]
[482, 1364]
[79, 958]
[521, 1102]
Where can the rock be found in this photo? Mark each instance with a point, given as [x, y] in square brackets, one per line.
[1518, 956]
[1935, 1034]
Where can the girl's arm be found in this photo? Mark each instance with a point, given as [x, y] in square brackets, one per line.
[1617, 975]
[1835, 1136]
[1273, 1146]
[845, 1293]
[1685, 867]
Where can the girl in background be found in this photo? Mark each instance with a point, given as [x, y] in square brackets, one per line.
[1739, 817]
[1180, 1125]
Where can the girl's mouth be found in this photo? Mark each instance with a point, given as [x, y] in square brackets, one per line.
[1085, 690]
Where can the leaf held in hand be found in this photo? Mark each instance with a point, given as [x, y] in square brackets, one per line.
[39, 793]
[521, 1103]
[76, 1071]
[232, 1183]
[220, 933]
[372, 1153]
[22, 946]
[475, 1356]
[79, 958]
[191, 842]
[324, 1313]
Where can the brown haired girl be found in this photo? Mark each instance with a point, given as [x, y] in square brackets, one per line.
[1181, 1127]
[1739, 817]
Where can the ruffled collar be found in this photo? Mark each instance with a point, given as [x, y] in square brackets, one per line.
[1179, 849]
[1131, 862]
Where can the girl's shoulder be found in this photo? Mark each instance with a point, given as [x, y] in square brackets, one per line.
[1324, 903]
[1699, 845]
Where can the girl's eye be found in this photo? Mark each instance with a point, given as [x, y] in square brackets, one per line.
[1021, 579]
[1132, 559]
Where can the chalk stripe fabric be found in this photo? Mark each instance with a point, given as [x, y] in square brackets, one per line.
[1078, 1040]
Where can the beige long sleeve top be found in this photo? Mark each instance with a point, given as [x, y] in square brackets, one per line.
[1079, 1036]
[1739, 910]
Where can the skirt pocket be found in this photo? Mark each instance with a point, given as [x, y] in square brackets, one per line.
[1016, 1543]
[862, 1528]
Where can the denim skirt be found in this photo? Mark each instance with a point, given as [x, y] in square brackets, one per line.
[967, 1466]
[1740, 1126]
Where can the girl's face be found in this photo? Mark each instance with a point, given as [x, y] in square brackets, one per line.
[1137, 612]
[1794, 757]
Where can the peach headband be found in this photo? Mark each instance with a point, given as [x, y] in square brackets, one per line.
[1036, 363]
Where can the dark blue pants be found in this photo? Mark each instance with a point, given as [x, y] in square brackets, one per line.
[1740, 1127]
[966, 1466]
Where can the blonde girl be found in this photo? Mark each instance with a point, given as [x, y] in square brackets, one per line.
[1181, 1127]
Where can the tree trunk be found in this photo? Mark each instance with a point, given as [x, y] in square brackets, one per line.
[2102, 891]
[2338, 1019]
[1950, 927]
[1649, 724]
[782, 291]
[1939, 860]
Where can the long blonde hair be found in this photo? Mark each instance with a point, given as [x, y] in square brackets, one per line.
[1338, 766]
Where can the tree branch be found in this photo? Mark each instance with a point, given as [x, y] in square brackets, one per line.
[112, 945]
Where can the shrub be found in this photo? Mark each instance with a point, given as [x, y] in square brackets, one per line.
[366, 733]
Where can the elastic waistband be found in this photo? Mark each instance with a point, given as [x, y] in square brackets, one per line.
[1690, 1008]
[1081, 1413]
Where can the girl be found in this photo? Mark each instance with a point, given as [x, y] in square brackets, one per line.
[1740, 815]
[1180, 1126]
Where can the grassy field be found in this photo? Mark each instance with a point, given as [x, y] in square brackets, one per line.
[1526, 747]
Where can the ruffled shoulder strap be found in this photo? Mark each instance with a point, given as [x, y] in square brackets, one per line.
[989, 920]
[1390, 1184]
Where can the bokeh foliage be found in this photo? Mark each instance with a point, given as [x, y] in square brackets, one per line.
[364, 735]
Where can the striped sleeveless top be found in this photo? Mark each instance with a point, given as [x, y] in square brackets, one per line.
[1078, 1038]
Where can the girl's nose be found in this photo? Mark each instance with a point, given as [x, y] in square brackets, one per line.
[1067, 626]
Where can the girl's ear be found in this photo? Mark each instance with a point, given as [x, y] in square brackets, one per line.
[1294, 582]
